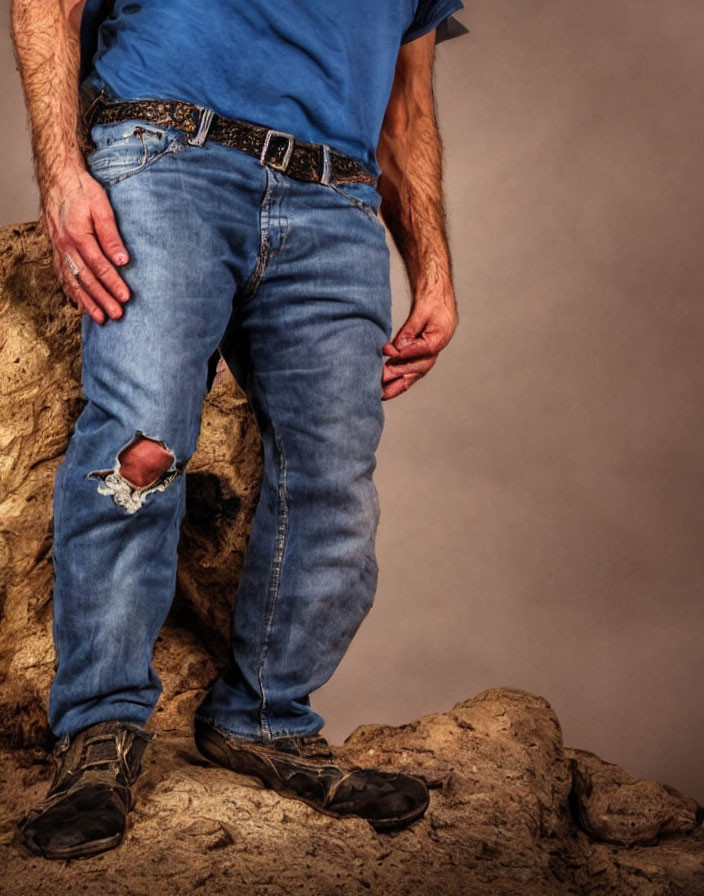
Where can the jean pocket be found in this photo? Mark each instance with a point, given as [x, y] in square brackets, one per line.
[125, 147]
[362, 196]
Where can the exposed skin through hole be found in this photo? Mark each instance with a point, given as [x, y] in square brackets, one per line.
[142, 462]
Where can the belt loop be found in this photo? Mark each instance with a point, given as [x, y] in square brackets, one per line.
[327, 166]
[90, 107]
[201, 135]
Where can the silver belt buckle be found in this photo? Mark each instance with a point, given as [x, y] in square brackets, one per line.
[287, 156]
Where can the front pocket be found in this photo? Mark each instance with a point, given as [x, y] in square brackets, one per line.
[361, 196]
[124, 148]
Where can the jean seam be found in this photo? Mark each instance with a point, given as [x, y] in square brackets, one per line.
[57, 654]
[248, 739]
[274, 571]
[357, 203]
[252, 284]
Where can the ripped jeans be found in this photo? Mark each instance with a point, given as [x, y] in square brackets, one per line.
[291, 281]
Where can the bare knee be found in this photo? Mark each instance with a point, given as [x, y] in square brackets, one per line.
[144, 461]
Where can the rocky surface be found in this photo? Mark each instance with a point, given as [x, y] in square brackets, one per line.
[506, 799]
[512, 810]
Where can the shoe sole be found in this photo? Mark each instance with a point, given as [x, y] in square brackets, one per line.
[210, 745]
[81, 851]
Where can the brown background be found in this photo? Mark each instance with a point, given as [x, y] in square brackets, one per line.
[543, 489]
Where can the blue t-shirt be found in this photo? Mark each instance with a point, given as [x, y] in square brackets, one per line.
[321, 70]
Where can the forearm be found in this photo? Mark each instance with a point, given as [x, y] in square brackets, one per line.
[76, 211]
[410, 157]
[48, 57]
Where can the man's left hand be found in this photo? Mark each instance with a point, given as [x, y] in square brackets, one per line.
[415, 348]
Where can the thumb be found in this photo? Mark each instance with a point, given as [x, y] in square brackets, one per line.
[411, 331]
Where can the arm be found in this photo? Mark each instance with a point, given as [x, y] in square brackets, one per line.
[75, 210]
[410, 184]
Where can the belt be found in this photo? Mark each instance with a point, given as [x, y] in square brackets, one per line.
[304, 161]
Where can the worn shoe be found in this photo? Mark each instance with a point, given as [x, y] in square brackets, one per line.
[85, 810]
[303, 768]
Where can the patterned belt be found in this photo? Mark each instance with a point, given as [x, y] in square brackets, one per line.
[303, 161]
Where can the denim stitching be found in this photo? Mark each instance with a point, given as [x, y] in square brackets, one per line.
[172, 146]
[255, 279]
[275, 572]
[248, 738]
[57, 654]
[357, 203]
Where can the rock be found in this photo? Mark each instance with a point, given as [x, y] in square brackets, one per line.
[500, 821]
[616, 808]
[39, 402]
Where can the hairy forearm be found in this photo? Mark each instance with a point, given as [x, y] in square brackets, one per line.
[48, 58]
[410, 157]
[75, 209]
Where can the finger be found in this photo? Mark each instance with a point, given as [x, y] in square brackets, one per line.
[81, 298]
[64, 276]
[428, 329]
[422, 347]
[102, 269]
[92, 287]
[412, 329]
[430, 341]
[393, 370]
[399, 386]
[106, 230]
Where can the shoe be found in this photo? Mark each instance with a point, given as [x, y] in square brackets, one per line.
[85, 810]
[303, 768]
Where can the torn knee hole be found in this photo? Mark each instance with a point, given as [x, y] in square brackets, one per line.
[143, 466]
[143, 461]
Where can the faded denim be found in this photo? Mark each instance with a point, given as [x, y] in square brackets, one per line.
[291, 281]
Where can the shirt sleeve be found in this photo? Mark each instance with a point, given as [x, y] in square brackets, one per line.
[429, 14]
[93, 14]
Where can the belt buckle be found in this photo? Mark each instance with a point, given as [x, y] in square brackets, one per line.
[287, 156]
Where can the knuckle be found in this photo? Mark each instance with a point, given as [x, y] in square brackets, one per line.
[103, 214]
[73, 231]
[103, 269]
[103, 299]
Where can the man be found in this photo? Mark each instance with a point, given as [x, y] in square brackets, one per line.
[229, 202]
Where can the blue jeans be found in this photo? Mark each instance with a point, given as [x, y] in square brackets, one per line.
[291, 280]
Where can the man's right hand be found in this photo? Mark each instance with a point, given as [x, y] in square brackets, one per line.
[76, 212]
[79, 221]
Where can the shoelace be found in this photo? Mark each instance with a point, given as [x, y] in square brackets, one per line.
[314, 746]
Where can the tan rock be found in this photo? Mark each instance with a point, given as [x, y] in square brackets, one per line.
[499, 824]
[614, 807]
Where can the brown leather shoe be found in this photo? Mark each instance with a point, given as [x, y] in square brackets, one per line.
[302, 768]
[85, 810]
